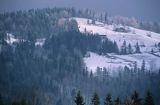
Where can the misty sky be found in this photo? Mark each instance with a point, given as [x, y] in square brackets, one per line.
[148, 10]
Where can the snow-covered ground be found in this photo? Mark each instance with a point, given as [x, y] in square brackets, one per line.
[116, 62]
[157, 54]
[146, 40]
[40, 42]
[11, 39]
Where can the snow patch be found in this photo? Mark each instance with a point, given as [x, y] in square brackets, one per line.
[11, 38]
[40, 42]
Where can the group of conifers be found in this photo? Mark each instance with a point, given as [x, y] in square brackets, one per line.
[133, 100]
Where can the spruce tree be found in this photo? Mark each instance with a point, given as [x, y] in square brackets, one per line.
[116, 47]
[106, 18]
[124, 48]
[130, 50]
[137, 48]
[135, 67]
[1, 101]
[101, 18]
[88, 21]
[93, 21]
[104, 74]
[127, 102]
[143, 66]
[108, 100]
[136, 100]
[159, 46]
[148, 99]
[23, 102]
[95, 99]
[85, 30]
[117, 102]
[152, 51]
[91, 75]
[79, 99]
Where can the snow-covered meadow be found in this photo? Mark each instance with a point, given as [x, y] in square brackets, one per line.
[146, 39]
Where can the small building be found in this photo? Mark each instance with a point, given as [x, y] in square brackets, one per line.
[102, 36]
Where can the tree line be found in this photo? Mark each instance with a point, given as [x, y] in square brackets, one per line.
[135, 99]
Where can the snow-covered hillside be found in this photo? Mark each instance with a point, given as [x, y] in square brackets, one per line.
[117, 62]
[146, 39]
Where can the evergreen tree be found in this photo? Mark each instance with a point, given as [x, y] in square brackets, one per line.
[152, 51]
[159, 72]
[88, 21]
[106, 18]
[99, 73]
[2, 38]
[117, 102]
[136, 100]
[148, 99]
[79, 99]
[91, 75]
[108, 100]
[137, 48]
[93, 21]
[101, 18]
[127, 102]
[143, 66]
[130, 50]
[104, 75]
[159, 46]
[116, 49]
[95, 99]
[85, 30]
[23, 102]
[59, 102]
[1, 101]
[135, 67]
[124, 48]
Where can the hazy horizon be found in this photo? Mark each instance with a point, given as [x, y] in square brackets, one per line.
[140, 9]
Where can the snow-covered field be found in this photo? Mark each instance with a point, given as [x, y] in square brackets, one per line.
[117, 62]
[146, 40]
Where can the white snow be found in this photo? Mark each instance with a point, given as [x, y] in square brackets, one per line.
[11, 38]
[157, 53]
[96, 60]
[146, 40]
[116, 62]
[40, 42]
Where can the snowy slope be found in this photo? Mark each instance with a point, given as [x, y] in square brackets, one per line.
[143, 37]
[116, 62]
[146, 40]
